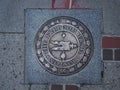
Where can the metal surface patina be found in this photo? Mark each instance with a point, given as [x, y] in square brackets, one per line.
[64, 45]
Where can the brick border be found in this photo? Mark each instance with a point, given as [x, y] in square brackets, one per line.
[71, 87]
[66, 4]
[110, 48]
[56, 87]
[110, 42]
[64, 87]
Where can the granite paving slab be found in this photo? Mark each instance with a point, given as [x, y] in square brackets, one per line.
[12, 62]
[35, 73]
[12, 13]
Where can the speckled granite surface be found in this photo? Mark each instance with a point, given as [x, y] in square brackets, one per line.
[34, 73]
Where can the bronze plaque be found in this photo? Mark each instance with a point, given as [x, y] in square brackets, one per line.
[63, 45]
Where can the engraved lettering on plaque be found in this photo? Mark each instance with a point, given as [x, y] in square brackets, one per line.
[63, 45]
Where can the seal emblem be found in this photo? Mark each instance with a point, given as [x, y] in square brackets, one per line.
[63, 45]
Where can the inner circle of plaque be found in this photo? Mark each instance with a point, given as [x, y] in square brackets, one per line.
[66, 52]
[63, 45]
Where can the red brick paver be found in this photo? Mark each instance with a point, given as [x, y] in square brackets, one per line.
[56, 87]
[71, 87]
[107, 54]
[117, 54]
[111, 42]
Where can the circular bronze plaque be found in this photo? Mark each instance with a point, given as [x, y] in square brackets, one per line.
[64, 45]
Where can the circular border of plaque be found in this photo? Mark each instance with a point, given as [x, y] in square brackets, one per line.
[63, 45]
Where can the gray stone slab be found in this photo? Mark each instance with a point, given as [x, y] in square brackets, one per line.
[112, 75]
[12, 62]
[92, 87]
[111, 14]
[12, 13]
[111, 79]
[34, 73]
[111, 71]
[112, 18]
[101, 87]
[39, 87]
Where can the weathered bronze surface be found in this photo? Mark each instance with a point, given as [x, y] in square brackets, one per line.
[64, 45]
